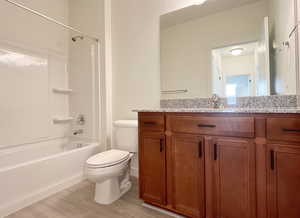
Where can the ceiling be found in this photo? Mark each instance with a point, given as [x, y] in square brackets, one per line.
[249, 48]
[197, 11]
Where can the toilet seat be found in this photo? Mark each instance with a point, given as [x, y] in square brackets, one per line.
[107, 158]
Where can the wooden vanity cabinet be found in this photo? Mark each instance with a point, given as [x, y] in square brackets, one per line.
[283, 181]
[221, 165]
[233, 178]
[152, 156]
[188, 177]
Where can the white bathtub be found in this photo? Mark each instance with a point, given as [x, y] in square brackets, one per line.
[31, 173]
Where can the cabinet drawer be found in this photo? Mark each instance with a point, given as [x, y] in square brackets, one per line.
[152, 122]
[283, 129]
[220, 126]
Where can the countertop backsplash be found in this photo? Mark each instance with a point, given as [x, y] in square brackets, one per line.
[275, 101]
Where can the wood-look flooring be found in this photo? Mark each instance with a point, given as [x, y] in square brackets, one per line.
[77, 202]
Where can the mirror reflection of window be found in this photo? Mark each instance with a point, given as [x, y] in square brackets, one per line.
[231, 92]
[237, 65]
[241, 85]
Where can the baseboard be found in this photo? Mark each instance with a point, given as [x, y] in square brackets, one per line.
[134, 172]
[162, 211]
[41, 194]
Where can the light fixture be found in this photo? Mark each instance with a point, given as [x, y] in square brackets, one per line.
[237, 51]
[199, 2]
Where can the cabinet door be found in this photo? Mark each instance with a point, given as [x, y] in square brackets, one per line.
[283, 181]
[152, 157]
[233, 178]
[188, 175]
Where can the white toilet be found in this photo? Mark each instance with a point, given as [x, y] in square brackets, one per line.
[110, 170]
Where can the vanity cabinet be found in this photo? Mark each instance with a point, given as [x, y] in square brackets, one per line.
[233, 178]
[284, 181]
[153, 173]
[188, 176]
[218, 165]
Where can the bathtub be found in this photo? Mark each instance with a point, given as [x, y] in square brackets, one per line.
[33, 172]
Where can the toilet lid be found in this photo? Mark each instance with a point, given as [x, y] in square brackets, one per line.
[108, 158]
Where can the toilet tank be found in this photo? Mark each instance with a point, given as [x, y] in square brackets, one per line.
[126, 135]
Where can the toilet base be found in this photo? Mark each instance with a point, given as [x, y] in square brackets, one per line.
[110, 191]
[111, 182]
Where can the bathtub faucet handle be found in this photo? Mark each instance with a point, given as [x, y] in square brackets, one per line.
[80, 119]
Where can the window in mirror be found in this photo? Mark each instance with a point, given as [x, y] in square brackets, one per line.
[238, 65]
[241, 84]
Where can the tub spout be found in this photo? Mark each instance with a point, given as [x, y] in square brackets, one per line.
[78, 132]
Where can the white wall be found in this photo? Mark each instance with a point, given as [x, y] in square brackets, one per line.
[186, 48]
[135, 55]
[238, 65]
[21, 27]
[88, 16]
[135, 52]
[57, 9]
[135, 58]
[282, 21]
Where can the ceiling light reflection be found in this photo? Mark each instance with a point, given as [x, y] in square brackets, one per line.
[18, 59]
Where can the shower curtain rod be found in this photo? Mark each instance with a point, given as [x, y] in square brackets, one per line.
[51, 19]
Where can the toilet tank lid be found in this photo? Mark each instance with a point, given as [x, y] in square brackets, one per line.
[126, 123]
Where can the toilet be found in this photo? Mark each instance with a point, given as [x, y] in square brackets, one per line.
[110, 170]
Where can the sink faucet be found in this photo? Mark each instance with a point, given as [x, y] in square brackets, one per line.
[215, 101]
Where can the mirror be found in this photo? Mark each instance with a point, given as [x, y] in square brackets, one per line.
[232, 48]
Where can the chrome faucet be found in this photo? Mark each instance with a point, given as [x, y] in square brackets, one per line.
[78, 132]
[215, 101]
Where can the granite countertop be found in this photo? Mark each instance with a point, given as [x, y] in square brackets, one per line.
[224, 110]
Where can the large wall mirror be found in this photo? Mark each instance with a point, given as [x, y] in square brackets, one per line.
[230, 48]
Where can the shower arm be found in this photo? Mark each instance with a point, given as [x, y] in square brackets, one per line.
[51, 19]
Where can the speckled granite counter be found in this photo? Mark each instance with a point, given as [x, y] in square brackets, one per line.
[274, 101]
[225, 110]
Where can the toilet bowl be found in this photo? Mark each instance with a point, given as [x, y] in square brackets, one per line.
[110, 170]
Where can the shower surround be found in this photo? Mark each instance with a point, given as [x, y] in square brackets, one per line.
[48, 80]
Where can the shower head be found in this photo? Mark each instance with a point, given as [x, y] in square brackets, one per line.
[74, 39]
